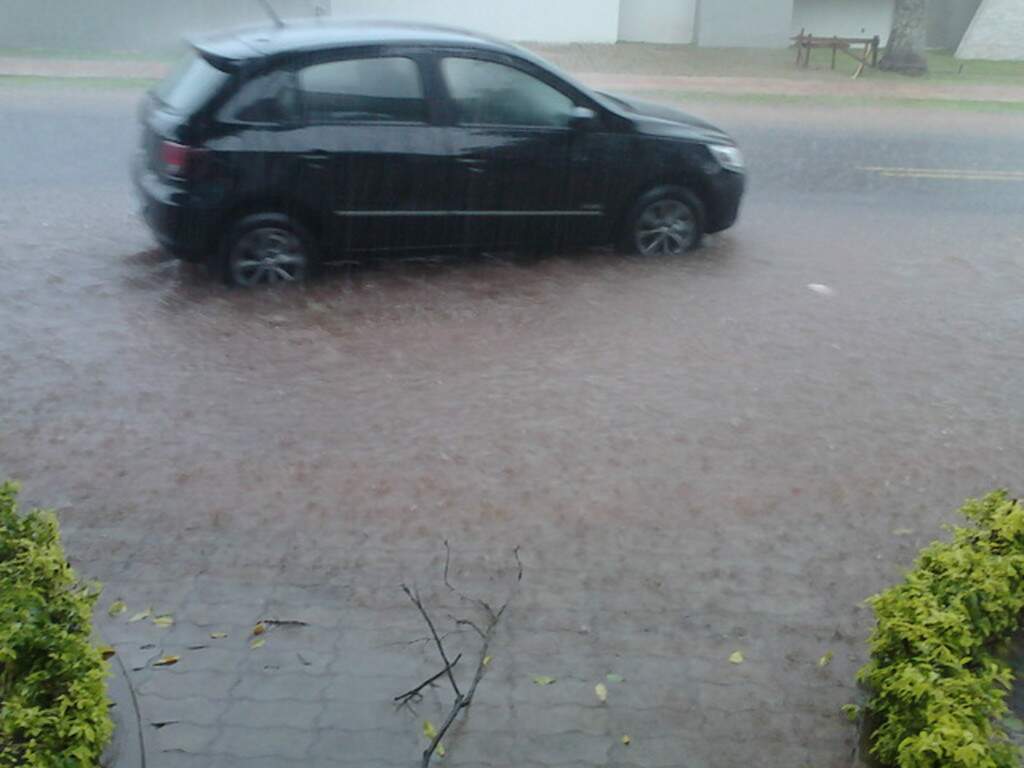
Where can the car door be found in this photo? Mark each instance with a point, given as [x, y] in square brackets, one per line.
[372, 138]
[519, 168]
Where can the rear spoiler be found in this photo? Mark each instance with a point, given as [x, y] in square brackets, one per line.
[226, 53]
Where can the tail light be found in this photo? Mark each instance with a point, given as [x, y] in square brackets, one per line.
[180, 161]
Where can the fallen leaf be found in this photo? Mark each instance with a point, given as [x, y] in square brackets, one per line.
[166, 661]
[163, 621]
[543, 680]
[117, 608]
[487, 661]
[259, 629]
[140, 615]
[440, 750]
[903, 532]
[627, 740]
[259, 642]
[601, 692]
[852, 711]
[736, 657]
[825, 660]
[611, 677]
[218, 635]
[429, 730]
[106, 651]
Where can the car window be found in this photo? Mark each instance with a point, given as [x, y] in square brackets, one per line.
[190, 84]
[267, 98]
[364, 90]
[488, 93]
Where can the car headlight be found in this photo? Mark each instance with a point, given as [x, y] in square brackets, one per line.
[728, 156]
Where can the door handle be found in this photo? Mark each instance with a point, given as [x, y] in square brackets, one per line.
[472, 164]
[317, 157]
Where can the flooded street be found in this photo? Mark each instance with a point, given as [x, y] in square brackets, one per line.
[696, 456]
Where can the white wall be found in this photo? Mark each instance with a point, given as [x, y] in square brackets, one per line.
[128, 25]
[744, 23]
[997, 32]
[657, 21]
[549, 21]
[843, 18]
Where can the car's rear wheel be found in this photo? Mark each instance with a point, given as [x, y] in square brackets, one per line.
[266, 249]
[667, 221]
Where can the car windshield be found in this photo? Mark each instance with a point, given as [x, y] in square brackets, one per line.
[191, 82]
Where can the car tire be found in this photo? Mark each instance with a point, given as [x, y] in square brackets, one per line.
[666, 221]
[265, 249]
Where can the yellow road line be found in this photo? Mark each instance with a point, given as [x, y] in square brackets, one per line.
[941, 170]
[947, 174]
[947, 177]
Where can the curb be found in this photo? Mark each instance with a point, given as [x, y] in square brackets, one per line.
[126, 748]
[862, 757]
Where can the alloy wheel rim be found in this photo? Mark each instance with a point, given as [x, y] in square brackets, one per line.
[268, 256]
[665, 228]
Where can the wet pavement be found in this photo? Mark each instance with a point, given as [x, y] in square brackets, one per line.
[696, 456]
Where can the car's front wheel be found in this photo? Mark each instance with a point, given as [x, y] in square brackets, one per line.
[266, 249]
[667, 221]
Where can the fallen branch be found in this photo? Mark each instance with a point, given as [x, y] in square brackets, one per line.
[437, 640]
[467, 623]
[447, 563]
[462, 700]
[424, 639]
[405, 697]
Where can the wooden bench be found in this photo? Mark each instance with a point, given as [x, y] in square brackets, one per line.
[805, 43]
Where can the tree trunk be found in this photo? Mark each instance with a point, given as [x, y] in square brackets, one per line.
[905, 51]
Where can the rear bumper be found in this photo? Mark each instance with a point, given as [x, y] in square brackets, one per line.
[725, 192]
[177, 223]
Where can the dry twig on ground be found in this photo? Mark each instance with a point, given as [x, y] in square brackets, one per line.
[486, 633]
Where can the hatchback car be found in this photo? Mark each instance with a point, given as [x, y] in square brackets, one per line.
[272, 150]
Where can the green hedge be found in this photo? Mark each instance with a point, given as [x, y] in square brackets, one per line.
[53, 702]
[937, 680]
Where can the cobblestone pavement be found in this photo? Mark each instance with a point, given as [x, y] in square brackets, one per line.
[697, 456]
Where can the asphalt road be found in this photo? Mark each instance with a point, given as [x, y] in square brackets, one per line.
[696, 456]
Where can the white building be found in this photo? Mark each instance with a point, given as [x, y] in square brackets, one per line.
[161, 24]
[753, 23]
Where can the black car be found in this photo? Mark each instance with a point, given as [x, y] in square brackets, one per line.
[271, 150]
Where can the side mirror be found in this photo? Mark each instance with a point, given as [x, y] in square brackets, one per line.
[582, 118]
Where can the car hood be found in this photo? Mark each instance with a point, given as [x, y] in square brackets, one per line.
[664, 120]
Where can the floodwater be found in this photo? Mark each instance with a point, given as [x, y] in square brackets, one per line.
[695, 455]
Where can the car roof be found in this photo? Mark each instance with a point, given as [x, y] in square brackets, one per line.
[311, 36]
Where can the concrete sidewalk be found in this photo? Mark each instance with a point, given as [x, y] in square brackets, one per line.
[580, 62]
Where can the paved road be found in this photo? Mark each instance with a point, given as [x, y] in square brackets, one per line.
[697, 456]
